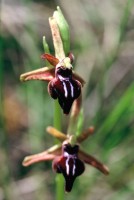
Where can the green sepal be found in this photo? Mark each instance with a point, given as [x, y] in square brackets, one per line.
[64, 29]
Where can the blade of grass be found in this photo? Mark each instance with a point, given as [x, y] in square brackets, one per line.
[123, 103]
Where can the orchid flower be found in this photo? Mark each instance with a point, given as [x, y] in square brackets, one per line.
[68, 158]
[63, 84]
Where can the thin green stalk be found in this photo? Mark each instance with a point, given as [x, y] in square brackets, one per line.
[59, 52]
[60, 34]
[59, 178]
[57, 116]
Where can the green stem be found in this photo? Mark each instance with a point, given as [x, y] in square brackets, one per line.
[57, 116]
[57, 111]
[57, 124]
[59, 178]
[61, 41]
[59, 187]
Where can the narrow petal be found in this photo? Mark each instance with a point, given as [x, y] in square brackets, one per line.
[45, 74]
[84, 135]
[44, 156]
[51, 59]
[93, 161]
[59, 135]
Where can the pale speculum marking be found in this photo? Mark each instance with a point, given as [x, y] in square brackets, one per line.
[65, 89]
[74, 167]
[67, 164]
[64, 82]
[72, 90]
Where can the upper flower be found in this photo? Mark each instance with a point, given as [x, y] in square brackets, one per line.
[64, 84]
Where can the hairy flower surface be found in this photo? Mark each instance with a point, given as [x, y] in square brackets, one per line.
[64, 84]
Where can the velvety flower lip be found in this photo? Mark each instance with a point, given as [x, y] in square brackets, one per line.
[65, 88]
[69, 164]
[68, 158]
[64, 84]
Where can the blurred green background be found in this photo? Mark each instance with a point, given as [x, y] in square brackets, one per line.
[102, 40]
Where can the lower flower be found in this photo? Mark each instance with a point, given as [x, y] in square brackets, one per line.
[68, 158]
